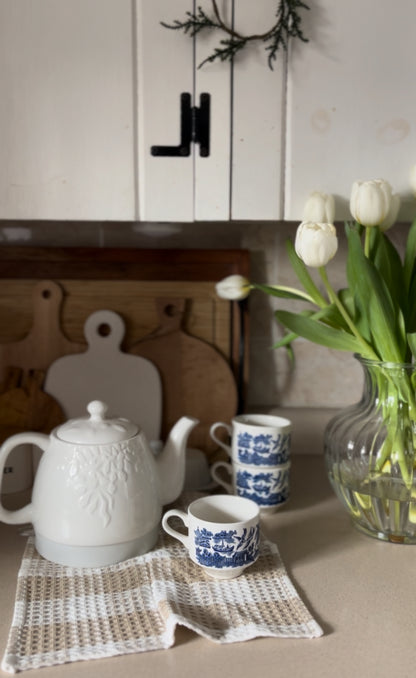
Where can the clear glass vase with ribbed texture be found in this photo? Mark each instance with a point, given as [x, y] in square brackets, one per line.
[370, 453]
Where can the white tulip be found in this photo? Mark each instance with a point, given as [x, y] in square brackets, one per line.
[392, 213]
[370, 201]
[233, 287]
[412, 179]
[316, 243]
[319, 207]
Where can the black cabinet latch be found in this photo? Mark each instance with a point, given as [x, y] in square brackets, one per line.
[194, 128]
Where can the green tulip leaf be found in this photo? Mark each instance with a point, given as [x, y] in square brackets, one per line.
[411, 339]
[286, 340]
[282, 292]
[373, 300]
[317, 332]
[411, 313]
[388, 263]
[410, 255]
[359, 319]
[290, 337]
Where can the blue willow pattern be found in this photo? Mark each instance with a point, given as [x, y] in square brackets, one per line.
[263, 449]
[226, 548]
[265, 488]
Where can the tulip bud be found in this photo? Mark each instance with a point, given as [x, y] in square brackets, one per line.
[319, 207]
[370, 201]
[316, 243]
[233, 287]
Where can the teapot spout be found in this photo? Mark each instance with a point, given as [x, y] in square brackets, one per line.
[171, 461]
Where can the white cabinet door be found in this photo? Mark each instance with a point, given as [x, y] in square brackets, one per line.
[258, 117]
[66, 110]
[212, 173]
[351, 102]
[165, 71]
[172, 186]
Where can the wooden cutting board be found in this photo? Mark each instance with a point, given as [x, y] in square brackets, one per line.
[45, 341]
[129, 384]
[196, 379]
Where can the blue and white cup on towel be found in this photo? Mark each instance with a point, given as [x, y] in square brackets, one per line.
[223, 533]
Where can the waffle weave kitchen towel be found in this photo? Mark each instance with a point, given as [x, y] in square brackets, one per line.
[67, 614]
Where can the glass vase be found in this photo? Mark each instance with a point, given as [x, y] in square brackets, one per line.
[370, 453]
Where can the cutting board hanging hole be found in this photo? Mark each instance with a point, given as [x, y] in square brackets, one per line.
[170, 310]
[104, 330]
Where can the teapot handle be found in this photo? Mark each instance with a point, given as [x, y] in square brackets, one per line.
[23, 515]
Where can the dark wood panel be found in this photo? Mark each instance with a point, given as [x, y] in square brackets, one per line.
[121, 263]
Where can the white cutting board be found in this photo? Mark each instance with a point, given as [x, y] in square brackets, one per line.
[130, 385]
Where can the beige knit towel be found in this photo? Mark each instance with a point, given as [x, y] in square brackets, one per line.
[65, 614]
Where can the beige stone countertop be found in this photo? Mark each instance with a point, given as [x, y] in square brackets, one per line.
[360, 590]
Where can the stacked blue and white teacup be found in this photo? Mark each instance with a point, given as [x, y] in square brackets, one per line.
[260, 459]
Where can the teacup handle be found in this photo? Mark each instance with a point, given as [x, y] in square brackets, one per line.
[184, 538]
[23, 515]
[228, 428]
[218, 479]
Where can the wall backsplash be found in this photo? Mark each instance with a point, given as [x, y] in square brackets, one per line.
[321, 378]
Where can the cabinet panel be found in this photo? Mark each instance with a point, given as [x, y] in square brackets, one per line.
[66, 111]
[212, 174]
[191, 187]
[258, 117]
[351, 102]
[165, 69]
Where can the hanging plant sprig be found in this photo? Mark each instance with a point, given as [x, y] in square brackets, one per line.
[287, 25]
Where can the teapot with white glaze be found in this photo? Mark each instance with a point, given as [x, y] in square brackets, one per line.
[99, 490]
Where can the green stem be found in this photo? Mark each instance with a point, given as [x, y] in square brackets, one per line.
[397, 408]
[367, 241]
[368, 351]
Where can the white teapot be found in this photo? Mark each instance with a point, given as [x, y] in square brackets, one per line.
[98, 492]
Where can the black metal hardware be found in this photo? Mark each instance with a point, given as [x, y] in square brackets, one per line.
[195, 124]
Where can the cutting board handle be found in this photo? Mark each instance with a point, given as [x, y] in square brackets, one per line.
[23, 515]
[104, 329]
[47, 300]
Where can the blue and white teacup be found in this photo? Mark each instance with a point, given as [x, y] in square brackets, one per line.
[256, 439]
[268, 486]
[223, 533]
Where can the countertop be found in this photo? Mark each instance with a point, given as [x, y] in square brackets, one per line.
[360, 590]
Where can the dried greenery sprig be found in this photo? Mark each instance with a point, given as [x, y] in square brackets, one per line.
[287, 25]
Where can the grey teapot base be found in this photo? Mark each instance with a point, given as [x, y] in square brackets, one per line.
[95, 556]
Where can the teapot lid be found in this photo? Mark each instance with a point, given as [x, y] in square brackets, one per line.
[96, 429]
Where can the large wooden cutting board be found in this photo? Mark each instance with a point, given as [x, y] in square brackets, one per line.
[45, 341]
[197, 381]
[130, 385]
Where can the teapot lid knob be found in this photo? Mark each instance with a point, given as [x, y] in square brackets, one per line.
[97, 410]
[97, 429]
